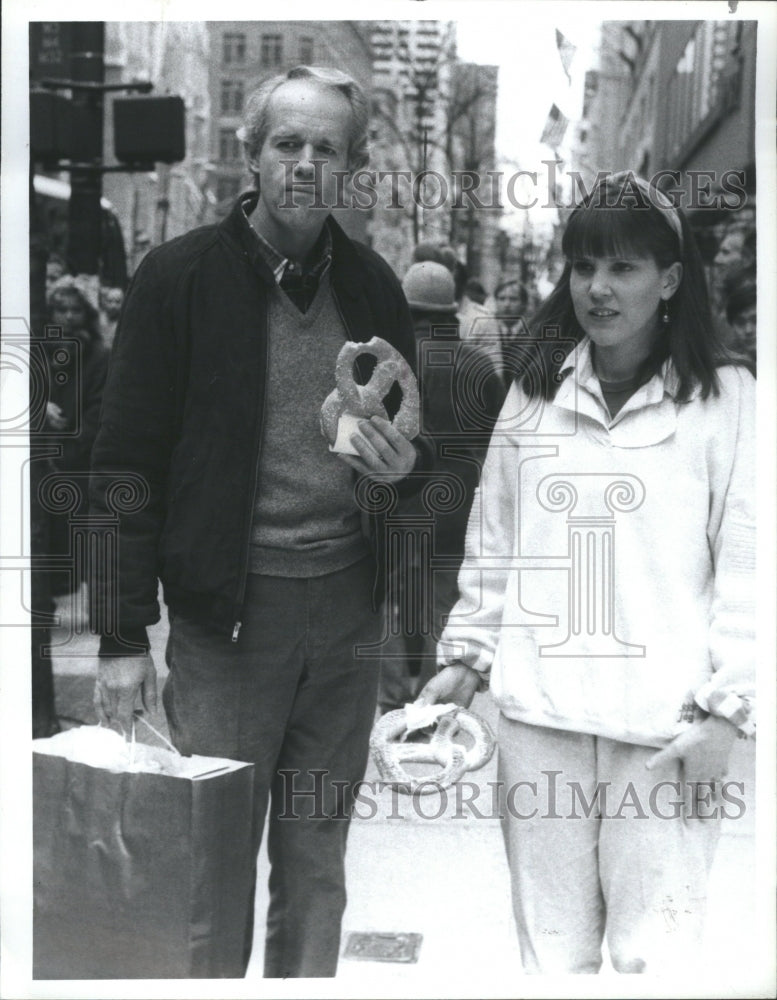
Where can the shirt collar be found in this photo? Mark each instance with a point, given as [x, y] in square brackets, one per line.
[579, 364]
[282, 266]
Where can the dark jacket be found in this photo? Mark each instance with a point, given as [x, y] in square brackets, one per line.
[461, 396]
[184, 408]
[76, 384]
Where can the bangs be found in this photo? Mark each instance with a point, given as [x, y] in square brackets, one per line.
[613, 232]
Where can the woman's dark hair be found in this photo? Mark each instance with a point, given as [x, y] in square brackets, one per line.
[619, 218]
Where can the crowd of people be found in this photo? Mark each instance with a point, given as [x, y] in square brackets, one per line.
[80, 322]
[273, 563]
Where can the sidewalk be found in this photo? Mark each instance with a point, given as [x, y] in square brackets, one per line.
[415, 867]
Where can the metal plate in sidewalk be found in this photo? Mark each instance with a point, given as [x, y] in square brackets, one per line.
[377, 947]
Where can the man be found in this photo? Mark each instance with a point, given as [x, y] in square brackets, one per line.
[111, 300]
[460, 402]
[225, 351]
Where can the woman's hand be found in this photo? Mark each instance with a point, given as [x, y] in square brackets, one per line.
[457, 683]
[703, 750]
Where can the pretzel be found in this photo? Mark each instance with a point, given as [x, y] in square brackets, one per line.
[454, 758]
[348, 397]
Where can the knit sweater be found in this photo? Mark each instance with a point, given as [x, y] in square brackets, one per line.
[607, 586]
[306, 521]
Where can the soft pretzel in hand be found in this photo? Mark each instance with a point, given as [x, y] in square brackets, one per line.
[452, 757]
[367, 400]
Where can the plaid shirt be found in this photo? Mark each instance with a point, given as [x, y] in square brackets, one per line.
[299, 283]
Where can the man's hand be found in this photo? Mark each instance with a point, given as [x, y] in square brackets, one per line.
[381, 449]
[457, 683]
[119, 679]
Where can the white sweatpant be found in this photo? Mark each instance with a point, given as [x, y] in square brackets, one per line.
[632, 869]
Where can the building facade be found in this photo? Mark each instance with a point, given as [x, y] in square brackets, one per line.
[679, 97]
[174, 56]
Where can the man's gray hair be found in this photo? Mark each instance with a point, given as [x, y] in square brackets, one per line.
[256, 121]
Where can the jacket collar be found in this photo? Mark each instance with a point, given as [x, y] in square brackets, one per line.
[347, 277]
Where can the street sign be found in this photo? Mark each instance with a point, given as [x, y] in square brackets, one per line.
[50, 46]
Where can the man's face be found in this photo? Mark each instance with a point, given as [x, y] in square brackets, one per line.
[112, 302]
[307, 122]
[54, 271]
[508, 302]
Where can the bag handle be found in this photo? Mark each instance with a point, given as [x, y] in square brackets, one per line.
[156, 733]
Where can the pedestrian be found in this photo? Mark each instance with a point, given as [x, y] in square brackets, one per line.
[736, 252]
[224, 354]
[504, 333]
[111, 301]
[460, 400]
[78, 365]
[44, 713]
[511, 303]
[55, 269]
[473, 312]
[741, 298]
[607, 594]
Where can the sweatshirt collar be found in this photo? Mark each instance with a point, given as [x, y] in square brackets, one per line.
[581, 391]
[579, 364]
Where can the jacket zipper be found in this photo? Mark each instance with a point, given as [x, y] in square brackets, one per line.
[370, 517]
[254, 485]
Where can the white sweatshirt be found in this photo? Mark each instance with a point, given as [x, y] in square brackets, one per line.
[607, 585]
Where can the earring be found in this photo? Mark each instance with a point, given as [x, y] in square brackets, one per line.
[665, 312]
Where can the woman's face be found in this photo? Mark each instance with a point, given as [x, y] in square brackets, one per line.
[68, 312]
[616, 299]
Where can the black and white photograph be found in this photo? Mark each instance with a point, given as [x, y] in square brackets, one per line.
[387, 550]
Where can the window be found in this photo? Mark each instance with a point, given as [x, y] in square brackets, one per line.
[271, 50]
[706, 85]
[231, 96]
[233, 49]
[306, 49]
[230, 148]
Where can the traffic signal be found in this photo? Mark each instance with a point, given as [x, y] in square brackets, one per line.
[149, 129]
[51, 126]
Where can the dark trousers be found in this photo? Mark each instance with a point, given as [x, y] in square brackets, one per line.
[409, 655]
[293, 698]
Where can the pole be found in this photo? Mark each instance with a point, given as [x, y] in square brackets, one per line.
[87, 65]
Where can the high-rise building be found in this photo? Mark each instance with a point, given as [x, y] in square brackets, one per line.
[432, 113]
[412, 67]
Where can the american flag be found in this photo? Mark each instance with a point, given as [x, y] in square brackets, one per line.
[566, 51]
[555, 128]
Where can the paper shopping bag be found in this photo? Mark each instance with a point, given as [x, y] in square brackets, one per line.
[139, 874]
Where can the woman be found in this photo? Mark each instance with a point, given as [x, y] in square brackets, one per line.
[78, 364]
[607, 591]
